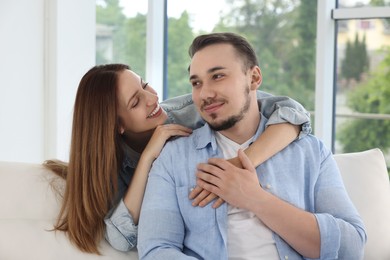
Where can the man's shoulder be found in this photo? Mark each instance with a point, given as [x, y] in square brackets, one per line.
[189, 142]
[313, 144]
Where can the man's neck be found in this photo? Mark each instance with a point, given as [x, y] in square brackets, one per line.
[244, 129]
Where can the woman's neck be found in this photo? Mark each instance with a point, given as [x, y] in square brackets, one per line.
[137, 141]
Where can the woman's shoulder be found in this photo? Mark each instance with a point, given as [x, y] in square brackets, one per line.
[177, 103]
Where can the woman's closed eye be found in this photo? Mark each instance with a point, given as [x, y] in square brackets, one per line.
[136, 99]
[135, 102]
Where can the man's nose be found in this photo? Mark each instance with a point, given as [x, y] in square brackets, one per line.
[207, 91]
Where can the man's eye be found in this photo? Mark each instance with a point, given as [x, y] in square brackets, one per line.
[195, 83]
[218, 76]
[145, 85]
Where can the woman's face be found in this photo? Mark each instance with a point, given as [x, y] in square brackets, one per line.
[138, 107]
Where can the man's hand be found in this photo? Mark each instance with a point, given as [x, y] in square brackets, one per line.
[234, 185]
[202, 197]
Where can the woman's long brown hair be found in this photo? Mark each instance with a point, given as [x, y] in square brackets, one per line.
[95, 157]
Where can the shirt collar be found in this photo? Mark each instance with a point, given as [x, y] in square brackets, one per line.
[131, 157]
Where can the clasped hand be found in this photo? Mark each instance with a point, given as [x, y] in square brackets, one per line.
[231, 181]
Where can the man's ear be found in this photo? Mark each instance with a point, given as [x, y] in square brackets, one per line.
[257, 78]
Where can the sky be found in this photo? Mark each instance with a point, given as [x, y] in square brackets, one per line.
[204, 14]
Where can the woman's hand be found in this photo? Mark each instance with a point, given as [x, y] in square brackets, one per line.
[161, 134]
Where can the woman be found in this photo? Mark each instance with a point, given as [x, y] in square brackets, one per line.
[118, 130]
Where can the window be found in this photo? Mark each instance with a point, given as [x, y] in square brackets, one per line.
[334, 62]
[121, 33]
[362, 84]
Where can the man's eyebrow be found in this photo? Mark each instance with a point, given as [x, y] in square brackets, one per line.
[211, 70]
[215, 68]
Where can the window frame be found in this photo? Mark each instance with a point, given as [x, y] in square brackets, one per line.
[326, 53]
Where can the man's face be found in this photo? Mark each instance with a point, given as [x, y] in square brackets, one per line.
[220, 87]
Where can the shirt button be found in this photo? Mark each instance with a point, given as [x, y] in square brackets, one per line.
[268, 186]
[286, 257]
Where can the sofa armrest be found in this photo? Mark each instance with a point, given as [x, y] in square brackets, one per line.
[367, 182]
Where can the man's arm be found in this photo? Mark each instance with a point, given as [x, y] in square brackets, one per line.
[161, 227]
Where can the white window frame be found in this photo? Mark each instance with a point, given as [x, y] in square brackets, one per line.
[327, 15]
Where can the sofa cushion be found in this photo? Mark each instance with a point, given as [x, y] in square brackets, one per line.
[367, 182]
[29, 204]
[27, 192]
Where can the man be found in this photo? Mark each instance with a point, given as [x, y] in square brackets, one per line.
[293, 206]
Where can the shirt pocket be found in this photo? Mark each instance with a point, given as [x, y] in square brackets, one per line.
[196, 219]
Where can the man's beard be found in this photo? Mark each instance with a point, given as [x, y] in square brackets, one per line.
[232, 120]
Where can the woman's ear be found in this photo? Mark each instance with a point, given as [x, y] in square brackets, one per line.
[121, 130]
[257, 78]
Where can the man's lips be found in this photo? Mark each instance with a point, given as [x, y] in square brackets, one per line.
[212, 107]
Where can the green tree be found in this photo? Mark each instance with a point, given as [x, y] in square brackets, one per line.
[372, 96]
[356, 60]
[300, 64]
[128, 35]
[110, 13]
[180, 37]
[134, 49]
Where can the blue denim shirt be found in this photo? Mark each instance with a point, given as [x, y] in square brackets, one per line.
[303, 174]
[121, 232]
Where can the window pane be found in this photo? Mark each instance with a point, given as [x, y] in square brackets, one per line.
[282, 32]
[360, 3]
[186, 19]
[121, 33]
[363, 86]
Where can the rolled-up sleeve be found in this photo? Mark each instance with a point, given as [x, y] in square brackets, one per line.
[341, 228]
[121, 232]
[281, 109]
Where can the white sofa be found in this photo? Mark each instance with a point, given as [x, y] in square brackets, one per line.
[28, 208]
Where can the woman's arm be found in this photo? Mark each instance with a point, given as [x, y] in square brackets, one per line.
[135, 192]
[121, 223]
[274, 139]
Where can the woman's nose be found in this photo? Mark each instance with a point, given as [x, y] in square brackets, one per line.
[151, 98]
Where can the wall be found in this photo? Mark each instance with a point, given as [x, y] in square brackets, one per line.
[40, 71]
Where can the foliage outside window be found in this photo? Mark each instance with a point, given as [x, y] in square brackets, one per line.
[283, 33]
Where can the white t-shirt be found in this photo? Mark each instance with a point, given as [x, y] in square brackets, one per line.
[248, 237]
